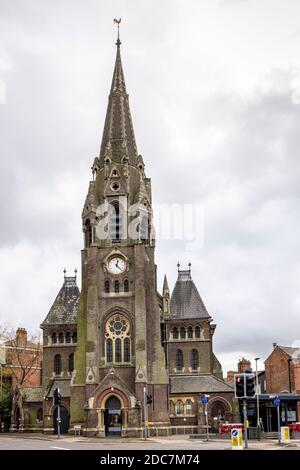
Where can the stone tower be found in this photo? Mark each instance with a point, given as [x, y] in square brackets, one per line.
[120, 357]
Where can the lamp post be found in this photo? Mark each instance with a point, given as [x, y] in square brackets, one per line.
[257, 397]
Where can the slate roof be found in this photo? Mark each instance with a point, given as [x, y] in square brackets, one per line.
[65, 307]
[185, 300]
[63, 385]
[33, 394]
[202, 383]
[293, 352]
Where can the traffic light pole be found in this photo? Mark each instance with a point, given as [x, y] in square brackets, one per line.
[145, 414]
[206, 420]
[245, 422]
[58, 421]
[278, 423]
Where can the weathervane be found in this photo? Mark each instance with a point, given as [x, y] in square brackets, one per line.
[118, 21]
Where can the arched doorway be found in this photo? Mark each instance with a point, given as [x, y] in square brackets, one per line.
[217, 414]
[17, 417]
[113, 416]
[64, 420]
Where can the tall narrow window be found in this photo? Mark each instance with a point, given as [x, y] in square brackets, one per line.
[179, 360]
[68, 337]
[109, 350]
[172, 407]
[194, 359]
[127, 350]
[144, 226]
[115, 221]
[106, 286]
[197, 332]
[179, 407]
[88, 233]
[175, 333]
[118, 350]
[182, 333]
[57, 364]
[190, 332]
[71, 362]
[126, 285]
[74, 337]
[117, 287]
[188, 407]
[61, 338]
[39, 414]
[54, 338]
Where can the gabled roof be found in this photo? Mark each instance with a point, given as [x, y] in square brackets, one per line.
[33, 394]
[185, 300]
[202, 383]
[65, 307]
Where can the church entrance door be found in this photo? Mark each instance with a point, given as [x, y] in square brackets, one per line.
[64, 420]
[113, 417]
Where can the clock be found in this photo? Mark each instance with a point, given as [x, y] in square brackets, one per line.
[116, 265]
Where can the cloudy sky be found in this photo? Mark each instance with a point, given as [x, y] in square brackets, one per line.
[215, 97]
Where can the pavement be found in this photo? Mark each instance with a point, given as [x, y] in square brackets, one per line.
[46, 442]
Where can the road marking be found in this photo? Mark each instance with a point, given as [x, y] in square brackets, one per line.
[59, 448]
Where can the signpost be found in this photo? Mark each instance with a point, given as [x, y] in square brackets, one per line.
[276, 402]
[204, 400]
[236, 439]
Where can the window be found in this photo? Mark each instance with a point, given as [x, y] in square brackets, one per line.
[61, 338]
[115, 221]
[39, 414]
[197, 332]
[175, 333]
[68, 337]
[172, 407]
[74, 337]
[57, 364]
[126, 285]
[71, 362]
[127, 350]
[117, 287]
[179, 407]
[118, 342]
[179, 360]
[118, 351]
[106, 286]
[190, 332]
[182, 333]
[188, 407]
[194, 359]
[109, 350]
[54, 338]
[88, 233]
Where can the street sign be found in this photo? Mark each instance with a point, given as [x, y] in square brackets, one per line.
[204, 400]
[276, 401]
[285, 434]
[236, 439]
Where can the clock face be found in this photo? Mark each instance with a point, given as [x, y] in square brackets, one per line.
[116, 265]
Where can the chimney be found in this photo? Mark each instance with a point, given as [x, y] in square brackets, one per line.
[274, 345]
[21, 337]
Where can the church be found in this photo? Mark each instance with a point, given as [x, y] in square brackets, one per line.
[123, 355]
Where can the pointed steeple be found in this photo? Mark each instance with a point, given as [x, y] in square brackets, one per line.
[118, 140]
[166, 285]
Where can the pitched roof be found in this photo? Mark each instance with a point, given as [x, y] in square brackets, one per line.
[63, 385]
[33, 394]
[118, 134]
[65, 307]
[185, 300]
[201, 383]
[293, 352]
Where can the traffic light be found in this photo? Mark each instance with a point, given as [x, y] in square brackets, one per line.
[239, 385]
[149, 399]
[250, 385]
[56, 397]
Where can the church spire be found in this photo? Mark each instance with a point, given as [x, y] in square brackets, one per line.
[118, 140]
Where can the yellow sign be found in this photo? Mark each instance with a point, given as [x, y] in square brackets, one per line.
[284, 434]
[236, 439]
[147, 423]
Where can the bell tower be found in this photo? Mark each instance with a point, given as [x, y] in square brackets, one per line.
[119, 357]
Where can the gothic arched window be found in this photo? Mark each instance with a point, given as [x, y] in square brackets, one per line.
[74, 337]
[106, 286]
[182, 333]
[126, 285]
[88, 233]
[117, 287]
[175, 333]
[71, 362]
[114, 221]
[117, 339]
[57, 364]
[190, 332]
[172, 407]
[54, 338]
[197, 332]
[68, 337]
[61, 338]
[179, 359]
[179, 407]
[194, 359]
[188, 407]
